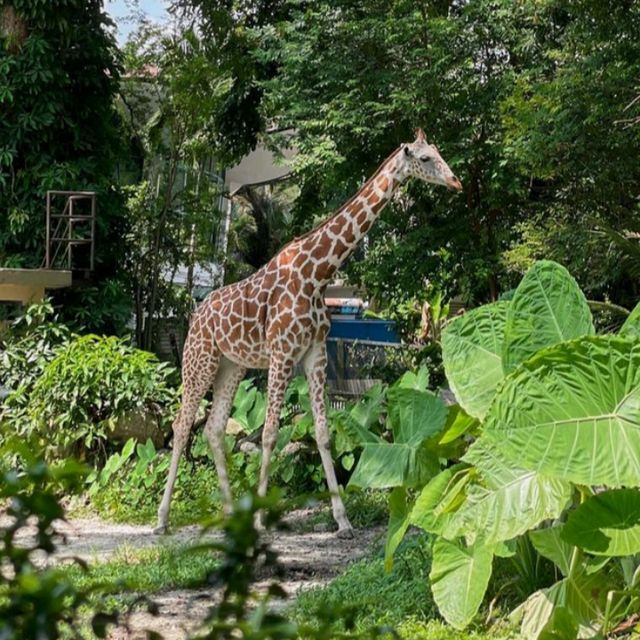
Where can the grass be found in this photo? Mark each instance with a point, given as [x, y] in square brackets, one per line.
[363, 597]
[378, 598]
[400, 599]
[365, 509]
[412, 629]
[147, 571]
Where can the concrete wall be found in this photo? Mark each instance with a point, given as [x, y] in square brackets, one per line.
[29, 285]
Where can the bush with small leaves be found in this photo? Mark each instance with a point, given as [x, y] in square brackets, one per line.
[92, 382]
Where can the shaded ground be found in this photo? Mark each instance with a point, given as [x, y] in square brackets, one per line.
[309, 559]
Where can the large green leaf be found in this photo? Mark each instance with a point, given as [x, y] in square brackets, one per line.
[548, 307]
[436, 503]
[414, 380]
[472, 356]
[415, 417]
[631, 326]
[510, 500]
[459, 579]
[386, 465]
[573, 412]
[458, 423]
[606, 524]
[249, 407]
[352, 432]
[572, 602]
[398, 524]
[353, 427]
[549, 543]
[367, 410]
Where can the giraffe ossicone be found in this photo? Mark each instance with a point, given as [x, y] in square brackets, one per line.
[277, 318]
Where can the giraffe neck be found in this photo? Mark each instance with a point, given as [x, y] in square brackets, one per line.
[334, 241]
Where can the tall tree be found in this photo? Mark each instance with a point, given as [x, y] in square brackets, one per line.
[228, 26]
[522, 97]
[563, 130]
[59, 75]
[391, 67]
[170, 95]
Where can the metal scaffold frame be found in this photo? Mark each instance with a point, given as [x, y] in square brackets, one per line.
[60, 230]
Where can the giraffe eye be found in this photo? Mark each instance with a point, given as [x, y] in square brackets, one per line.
[425, 158]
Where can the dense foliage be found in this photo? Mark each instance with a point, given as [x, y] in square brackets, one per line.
[169, 96]
[59, 129]
[38, 601]
[29, 344]
[523, 99]
[129, 485]
[554, 458]
[530, 102]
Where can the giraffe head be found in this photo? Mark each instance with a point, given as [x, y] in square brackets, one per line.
[423, 160]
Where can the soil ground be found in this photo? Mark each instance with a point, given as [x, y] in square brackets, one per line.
[309, 559]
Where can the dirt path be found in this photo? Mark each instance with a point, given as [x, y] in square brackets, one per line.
[309, 559]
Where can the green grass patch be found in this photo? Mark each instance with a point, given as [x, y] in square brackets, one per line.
[413, 629]
[378, 598]
[147, 571]
[400, 599]
[367, 508]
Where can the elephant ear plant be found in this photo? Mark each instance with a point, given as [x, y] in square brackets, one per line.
[555, 411]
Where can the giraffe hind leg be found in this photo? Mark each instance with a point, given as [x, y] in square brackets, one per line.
[198, 373]
[224, 390]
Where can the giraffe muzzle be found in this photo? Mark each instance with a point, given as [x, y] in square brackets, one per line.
[453, 184]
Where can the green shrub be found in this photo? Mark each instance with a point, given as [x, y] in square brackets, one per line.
[90, 383]
[296, 465]
[28, 346]
[129, 486]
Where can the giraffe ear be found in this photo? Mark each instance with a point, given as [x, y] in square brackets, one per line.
[420, 137]
[407, 151]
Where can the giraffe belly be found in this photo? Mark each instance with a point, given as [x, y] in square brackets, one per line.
[251, 357]
[250, 339]
[260, 359]
[258, 355]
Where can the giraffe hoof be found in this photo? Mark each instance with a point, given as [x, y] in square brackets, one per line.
[345, 533]
[161, 530]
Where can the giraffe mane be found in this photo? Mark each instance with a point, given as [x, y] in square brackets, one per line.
[335, 212]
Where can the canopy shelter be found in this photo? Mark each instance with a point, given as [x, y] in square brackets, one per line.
[29, 285]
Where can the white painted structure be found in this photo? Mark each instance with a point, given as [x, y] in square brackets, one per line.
[260, 167]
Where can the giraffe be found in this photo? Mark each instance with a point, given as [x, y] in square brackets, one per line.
[276, 318]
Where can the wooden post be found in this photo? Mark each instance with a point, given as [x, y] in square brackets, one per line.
[47, 260]
[93, 231]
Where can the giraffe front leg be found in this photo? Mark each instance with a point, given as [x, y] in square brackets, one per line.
[280, 371]
[315, 366]
[224, 390]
